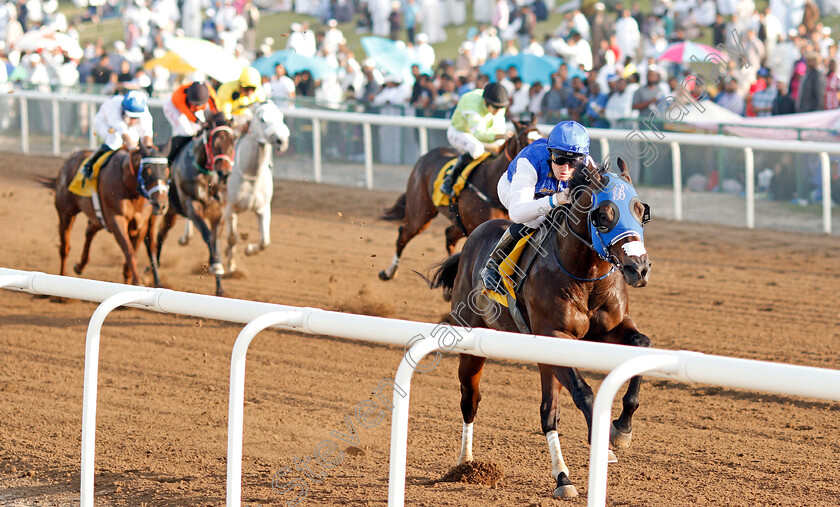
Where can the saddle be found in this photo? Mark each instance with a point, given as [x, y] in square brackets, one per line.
[514, 269]
[441, 199]
[85, 187]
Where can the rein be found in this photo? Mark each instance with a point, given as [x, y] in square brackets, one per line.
[591, 247]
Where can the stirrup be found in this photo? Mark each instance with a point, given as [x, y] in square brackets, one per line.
[492, 280]
[87, 171]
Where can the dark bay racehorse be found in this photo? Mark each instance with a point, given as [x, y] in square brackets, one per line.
[198, 174]
[133, 194]
[577, 290]
[477, 203]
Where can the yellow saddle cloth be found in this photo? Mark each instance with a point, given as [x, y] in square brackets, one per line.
[82, 187]
[507, 269]
[441, 199]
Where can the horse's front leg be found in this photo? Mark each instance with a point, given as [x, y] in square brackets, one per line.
[621, 431]
[549, 413]
[264, 223]
[119, 225]
[151, 240]
[196, 215]
[92, 228]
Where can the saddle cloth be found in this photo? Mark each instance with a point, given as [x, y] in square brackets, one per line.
[85, 188]
[515, 267]
[441, 199]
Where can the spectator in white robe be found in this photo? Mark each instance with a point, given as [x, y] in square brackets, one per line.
[501, 16]
[456, 12]
[627, 35]
[581, 24]
[789, 12]
[706, 12]
[425, 52]
[483, 11]
[727, 7]
[379, 12]
[431, 21]
[773, 28]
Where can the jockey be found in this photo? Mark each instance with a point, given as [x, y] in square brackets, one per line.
[536, 182]
[236, 96]
[479, 118]
[122, 120]
[186, 112]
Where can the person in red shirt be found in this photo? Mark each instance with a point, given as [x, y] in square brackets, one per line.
[186, 111]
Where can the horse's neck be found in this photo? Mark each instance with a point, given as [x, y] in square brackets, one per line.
[574, 255]
[253, 155]
[128, 177]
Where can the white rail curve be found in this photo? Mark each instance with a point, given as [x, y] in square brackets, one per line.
[622, 361]
[640, 143]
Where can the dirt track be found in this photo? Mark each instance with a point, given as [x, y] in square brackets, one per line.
[163, 380]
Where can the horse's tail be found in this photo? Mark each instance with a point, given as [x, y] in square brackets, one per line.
[44, 181]
[395, 212]
[443, 275]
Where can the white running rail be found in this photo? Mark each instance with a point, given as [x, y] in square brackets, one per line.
[622, 361]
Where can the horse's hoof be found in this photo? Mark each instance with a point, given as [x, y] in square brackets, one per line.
[253, 249]
[619, 439]
[217, 269]
[565, 488]
[384, 276]
[184, 241]
[611, 458]
[77, 268]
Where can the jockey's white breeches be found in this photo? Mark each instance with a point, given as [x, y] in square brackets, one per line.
[464, 142]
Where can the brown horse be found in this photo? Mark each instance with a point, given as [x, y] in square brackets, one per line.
[199, 173]
[478, 202]
[576, 289]
[132, 190]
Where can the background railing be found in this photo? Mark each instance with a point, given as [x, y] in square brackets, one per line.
[696, 177]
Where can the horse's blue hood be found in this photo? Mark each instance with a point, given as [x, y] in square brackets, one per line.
[622, 196]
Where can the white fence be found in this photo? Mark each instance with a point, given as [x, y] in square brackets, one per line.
[622, 361]
[634, 148]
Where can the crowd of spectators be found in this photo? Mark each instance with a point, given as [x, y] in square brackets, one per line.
[781, 59]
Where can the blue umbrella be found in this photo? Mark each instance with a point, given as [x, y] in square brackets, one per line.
[294, 63]
[392, 58]
[531, 68]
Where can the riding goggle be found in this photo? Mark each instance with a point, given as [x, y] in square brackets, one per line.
[565, 157]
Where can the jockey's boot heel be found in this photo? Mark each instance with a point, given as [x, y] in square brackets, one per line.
[490, 276]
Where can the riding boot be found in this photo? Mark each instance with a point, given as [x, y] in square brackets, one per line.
[87, 170]
[490, 275]
[175, 145]
[446, 187]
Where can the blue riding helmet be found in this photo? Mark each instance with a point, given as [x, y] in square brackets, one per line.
[134, 104]
[568, 140]
[621, 196]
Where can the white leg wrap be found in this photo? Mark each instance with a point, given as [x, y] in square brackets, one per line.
[466, 444]
[393, 267]
[557, 463]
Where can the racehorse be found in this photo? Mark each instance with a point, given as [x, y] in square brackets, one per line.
[198, 174]
[576, 289]
[250, 185]
[477, 203]
[132, 189]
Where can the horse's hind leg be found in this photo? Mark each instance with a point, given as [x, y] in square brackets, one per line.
[412, 226]
[264, 223]
[231, 219]
[549, 408]
[453, 234]
[90, 232]
[65, 228]
[621, 430]
[469, 373]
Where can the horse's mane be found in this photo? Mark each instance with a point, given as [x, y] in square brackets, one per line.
[217, 120]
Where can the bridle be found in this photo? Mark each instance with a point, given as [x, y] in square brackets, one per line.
[160, 185]
[518, 136]
[207, 141]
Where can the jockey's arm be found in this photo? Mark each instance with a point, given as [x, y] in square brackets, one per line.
[523, 206]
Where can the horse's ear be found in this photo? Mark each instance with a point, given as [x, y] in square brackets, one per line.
[593, 171]
[625, 170]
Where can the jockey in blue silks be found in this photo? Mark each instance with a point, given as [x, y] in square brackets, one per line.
[536, 182]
